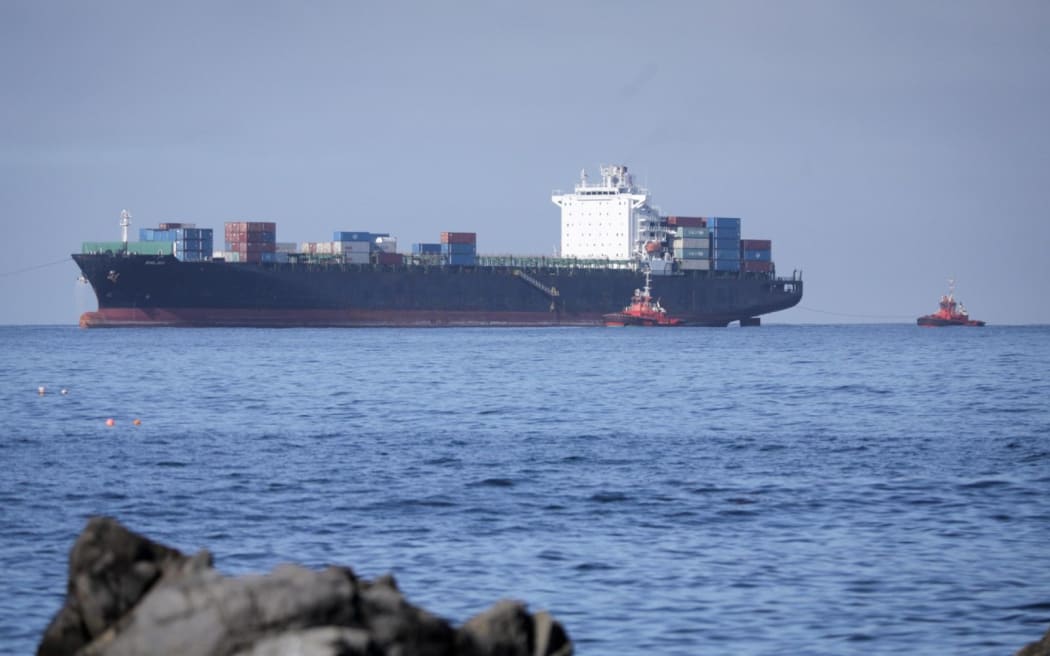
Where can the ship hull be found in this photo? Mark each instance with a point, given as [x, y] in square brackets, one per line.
[939, 322]
[163, 291]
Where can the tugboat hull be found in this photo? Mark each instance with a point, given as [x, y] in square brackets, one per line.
[937, 322]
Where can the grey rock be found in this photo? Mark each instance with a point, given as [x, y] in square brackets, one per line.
[1040, 648]
[110, 569]
[127, 595]
[508, 629]
[321, 641]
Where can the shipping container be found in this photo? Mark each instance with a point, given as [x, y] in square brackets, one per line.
[692, 233]
[389, 258]
[692, 253]
[252, 247]
[725, 254]
[686, 242]
[355, 257]
[174, 225]
[357, 235]
[756, 244]
[462, 259]
[694, 265]
[132, 247]
[386, 244]
[757, 256]
[426, 249]
[687, 221]
[351, 247]
[459, 238]
[723, 222]
[458, 249]
[286, 247]
[724, 244]
[725, 265]
[320, 247]
[761, 267]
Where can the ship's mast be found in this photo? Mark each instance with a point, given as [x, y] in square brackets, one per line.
[125, 222]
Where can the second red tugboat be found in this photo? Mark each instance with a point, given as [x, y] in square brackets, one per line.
[643, 311]
[951, 313]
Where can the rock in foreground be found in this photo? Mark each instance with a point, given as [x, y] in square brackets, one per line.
[128, 595]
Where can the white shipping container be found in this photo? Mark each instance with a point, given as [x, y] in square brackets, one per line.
[695, 265]
[231, 256]
[317, 247]
[686, 242]
[351, 247]
[287, 247]
[356, 258]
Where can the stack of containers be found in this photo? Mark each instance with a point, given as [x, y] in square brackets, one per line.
[318, 247]
[687, 221]
[251, 241]
[692, 248]
[427, 253]
[756, 255]
[355, 247]
[188, 243]
[131, 247]
[460, 248]
[725, 243]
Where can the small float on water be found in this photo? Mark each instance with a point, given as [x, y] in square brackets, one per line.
[643, 311]
[951, 313]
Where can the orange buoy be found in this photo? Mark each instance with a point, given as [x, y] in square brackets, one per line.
[110, 422]
[137, 422]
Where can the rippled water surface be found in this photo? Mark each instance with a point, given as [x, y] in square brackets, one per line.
[818, 490]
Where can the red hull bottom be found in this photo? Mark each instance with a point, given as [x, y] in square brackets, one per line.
[234, 318]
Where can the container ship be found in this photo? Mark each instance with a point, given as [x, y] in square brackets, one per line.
[612, 239]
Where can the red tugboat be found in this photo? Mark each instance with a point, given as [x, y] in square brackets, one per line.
[952, 313]
[643, 311]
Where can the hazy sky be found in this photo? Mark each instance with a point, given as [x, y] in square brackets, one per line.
[882, 146]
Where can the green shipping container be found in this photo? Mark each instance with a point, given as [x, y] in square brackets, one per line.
[691, 233]
[692, 253]
[133, 247]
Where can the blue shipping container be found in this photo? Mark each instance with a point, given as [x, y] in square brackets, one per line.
[726, 265]
[723, 222]
[339, 235]
[725, 254]
[152, 234]
[426, 249]
[462, 259]
[724, 233]
[758, 256]
[459, 249]
[725, 243]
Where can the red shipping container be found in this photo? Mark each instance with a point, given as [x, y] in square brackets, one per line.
[755, 244]
[459, 238]
[687, 221]
[754, 265]
[390, 258]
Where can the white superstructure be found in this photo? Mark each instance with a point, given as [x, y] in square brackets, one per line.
[606, 219]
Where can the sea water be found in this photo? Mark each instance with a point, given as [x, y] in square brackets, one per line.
[785, 489]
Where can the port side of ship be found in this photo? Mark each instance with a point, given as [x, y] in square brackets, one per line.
[608, 234]
[142, 290]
